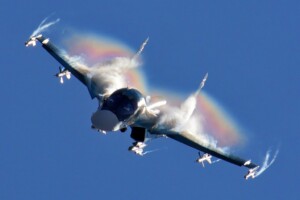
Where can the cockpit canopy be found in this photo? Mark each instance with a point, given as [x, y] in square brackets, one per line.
[123, 102]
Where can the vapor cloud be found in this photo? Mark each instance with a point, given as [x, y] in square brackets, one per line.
[185, 118]
[43, 26]
[109, 76]
[266, 164]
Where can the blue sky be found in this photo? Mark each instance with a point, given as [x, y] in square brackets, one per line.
[250, 49]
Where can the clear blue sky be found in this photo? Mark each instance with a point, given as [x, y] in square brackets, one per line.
[250, 49]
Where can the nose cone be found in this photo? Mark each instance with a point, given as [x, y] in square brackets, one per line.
[104, 120]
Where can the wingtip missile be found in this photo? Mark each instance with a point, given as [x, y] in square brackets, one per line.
[32, 40]
[251, 173]
[30, 43]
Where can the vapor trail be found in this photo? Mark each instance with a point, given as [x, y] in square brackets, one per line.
[189, 105]
[43, 27]
[150, 151]
[266, 163]
[215, 161]
[140, 49]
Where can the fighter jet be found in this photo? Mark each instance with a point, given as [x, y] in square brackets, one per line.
[125, 107]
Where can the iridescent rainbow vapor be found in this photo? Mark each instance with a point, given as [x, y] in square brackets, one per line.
[135, 78]
[215, 121]
[95, 49]
[218, 123]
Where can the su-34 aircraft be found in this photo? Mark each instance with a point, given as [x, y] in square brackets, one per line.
[123, 107]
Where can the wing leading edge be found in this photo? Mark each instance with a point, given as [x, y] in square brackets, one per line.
[70, 64]
[192, 141]
[61, 58]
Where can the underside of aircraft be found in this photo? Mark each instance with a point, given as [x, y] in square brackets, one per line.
[121, 108]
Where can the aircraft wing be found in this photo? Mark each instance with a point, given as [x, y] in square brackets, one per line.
[194, 142]
[100, 80]
[62, 58]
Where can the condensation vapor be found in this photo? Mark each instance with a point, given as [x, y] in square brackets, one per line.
[107, 76]
[267, 163]
[185, 119]
[150, 151]
[43, 26]
[178, 118]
